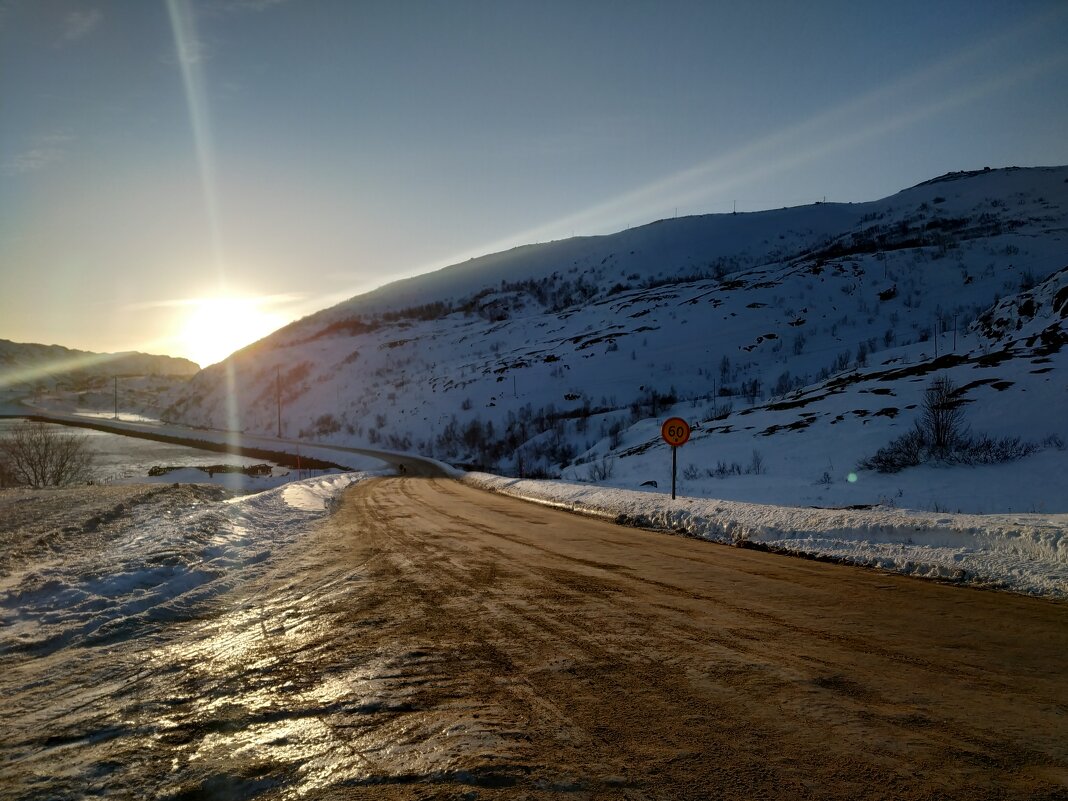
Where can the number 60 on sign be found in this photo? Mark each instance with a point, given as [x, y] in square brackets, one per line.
[675, 432]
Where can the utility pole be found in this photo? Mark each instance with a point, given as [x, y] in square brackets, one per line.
[954, 333]
[936, 335]
[116, 379]
[515, 392]
[278, 397]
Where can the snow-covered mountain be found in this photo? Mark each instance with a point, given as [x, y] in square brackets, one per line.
[71, 379]
[796, 341]
[30, 363]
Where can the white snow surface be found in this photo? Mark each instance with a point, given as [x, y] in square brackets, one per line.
[160, 569]
[308, 496]
[1024, 553]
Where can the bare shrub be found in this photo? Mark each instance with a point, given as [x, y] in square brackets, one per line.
[752, 390]
[326, 424]
[7, 478]
[990, 450]
[942, 419]
[39, 455]
[1053, 441]
[691, 472]
[756, 465]
[942, 434]
[908, 450]
[602, 469]
[722, 470]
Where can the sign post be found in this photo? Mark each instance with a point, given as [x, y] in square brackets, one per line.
[675, 432]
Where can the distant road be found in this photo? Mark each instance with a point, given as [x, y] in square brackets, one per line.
[524, 649]
[281, 450]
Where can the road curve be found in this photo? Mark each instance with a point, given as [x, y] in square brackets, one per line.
[281, 450]
[534, 653]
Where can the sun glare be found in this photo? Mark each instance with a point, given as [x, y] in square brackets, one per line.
[214, 328]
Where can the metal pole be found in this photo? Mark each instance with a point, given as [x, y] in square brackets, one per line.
[278, 397]
[674, 462]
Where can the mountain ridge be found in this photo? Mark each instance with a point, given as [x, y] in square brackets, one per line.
[69, 379]
[59, 360]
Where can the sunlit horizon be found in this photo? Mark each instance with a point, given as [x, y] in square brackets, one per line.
[213, 328]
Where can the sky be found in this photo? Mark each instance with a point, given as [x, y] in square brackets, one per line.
[184, 176]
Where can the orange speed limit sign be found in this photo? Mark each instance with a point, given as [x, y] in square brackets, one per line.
[675, 432]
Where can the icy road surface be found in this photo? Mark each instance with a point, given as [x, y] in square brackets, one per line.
[430, 640]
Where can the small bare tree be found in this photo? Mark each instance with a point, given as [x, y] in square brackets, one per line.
[40, 455]
[942, 419]
[601, 470]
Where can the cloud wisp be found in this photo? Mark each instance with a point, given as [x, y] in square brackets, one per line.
[79, 24]
[260, 301]
[42, 152]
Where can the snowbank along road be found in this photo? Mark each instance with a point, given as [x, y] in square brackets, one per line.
[429, 639]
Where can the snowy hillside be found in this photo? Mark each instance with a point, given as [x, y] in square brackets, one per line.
[31, 364]
[66, 379]
[798, 342]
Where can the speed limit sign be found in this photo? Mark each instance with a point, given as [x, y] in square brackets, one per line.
[675, 432]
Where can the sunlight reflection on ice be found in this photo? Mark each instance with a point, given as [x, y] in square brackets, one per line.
[246, 651]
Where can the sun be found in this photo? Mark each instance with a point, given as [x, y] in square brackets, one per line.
[215, 327]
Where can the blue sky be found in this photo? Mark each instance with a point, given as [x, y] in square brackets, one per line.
[155, 153]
